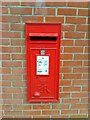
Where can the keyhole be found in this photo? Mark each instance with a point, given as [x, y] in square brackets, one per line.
[36, 77]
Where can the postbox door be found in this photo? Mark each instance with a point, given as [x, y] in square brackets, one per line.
[43, 78]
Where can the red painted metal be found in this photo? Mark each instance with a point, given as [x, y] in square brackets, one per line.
[43, 45]
[44, 34]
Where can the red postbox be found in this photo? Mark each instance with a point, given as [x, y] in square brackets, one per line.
[43, 61]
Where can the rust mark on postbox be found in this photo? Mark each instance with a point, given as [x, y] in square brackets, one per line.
[43, 61]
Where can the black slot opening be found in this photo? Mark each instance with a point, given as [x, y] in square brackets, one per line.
[51, 38]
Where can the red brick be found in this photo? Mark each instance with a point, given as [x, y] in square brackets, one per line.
[0, 42]
[19, 96]
[4, 10]
[72, 63]
[18, 56]
[11, 64]
[86, 49]
[5, 41]
[81, 43]
[24, 90]
[12, 90]
[44, 11]
[17, 27]
[1, 71]
[50, 112]
[67, 42]
[55, 19]
[82, 28]
[1, 34]
[5, 26]
[18, 71]
[21, 107]
[84, 100]
[39, 117]
[68, 28]
[86, 63]
[66, 56]
[53, 4]
[19, 84]
[0, 92]
[84, 111]
[23, 116]
[6, 56]
[79, 82]
[78, 4]
[80, 70]
[79, 116]
[24, 64]
[72, 76]
[6, 96]
[81, 56]
[10, 19]
[32, 18]
[79, 106]
[11, 49]
[76, 20]
[73, 35]
[8, 116]
[10, 3]
[69, 111]
[59, 106]
[21, 11]
[6, 70]
[32, 112]
[28, 3]
[0, 82]
[18, 42]
[12, 102]
[7, 107]
[41, 107]
[64, 95]
[73, 89]
[65, 82]
[84, 94]
[60, 116]
[85, 88]
[70, 100]
[68, 11]
[73, 49]
[24, 77]
[88, 36]
[1, 103]
[83, 12]
[4, 83]
[65, 70]
[24, 100]
[11, 35]
[11, 77]
[85, 76]
[13, 112]
[23, 49]
[1, 56]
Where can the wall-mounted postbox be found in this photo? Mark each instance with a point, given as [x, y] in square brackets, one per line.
[43, 61]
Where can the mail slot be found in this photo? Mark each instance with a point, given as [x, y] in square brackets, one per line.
[43, 61]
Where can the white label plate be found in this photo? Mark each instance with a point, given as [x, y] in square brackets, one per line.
[42, 65]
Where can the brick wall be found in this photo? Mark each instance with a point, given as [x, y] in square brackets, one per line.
[73, 88]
